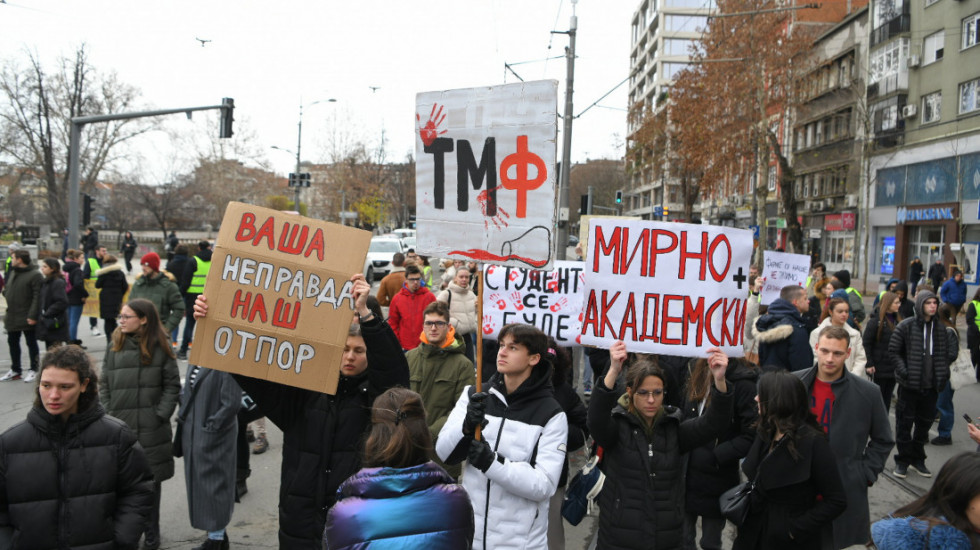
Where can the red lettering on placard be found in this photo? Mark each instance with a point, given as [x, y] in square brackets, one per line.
[316, 245]
[247, 307]
[700, 255]
[629, 320]
[668, 319]
[268, 232]
[693, 315]
[715, 274]
[289, 241]
[246, 227]
[656, 250]
[281, 316]
[522, 182]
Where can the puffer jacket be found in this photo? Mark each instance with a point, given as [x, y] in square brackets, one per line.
[857, 361]
[80, 483]
[953, 293]
[422, 507]
[876, 348]
[52, 326]
[783, 339]
[439, 375]
[161, 289]
[323, 434]
[144, 397]
[642, 501]
[904, 533]
[713, 467]
[77, 294]
[23, 293]
[462, 308]
[908, 345]
[405, 315]
[527, 429]
[112, 282]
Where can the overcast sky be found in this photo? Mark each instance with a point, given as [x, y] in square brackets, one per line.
[269, 55]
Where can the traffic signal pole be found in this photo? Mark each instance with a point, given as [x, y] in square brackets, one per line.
[227, 108]
[566, 145]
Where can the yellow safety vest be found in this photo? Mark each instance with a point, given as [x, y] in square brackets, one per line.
[851, 290]
[200, 275]
[93, 266]
[976, 307]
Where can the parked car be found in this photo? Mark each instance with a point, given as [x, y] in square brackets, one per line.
[379, 256]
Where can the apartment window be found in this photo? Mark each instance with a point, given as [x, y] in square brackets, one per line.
[772, 178]
[931, 106]
[687, 4]
[686, 23]
[889, 117]
[968, 96]
[932, 49]
[675, 46]
[671, 70]
[970, 26]
[930, 2]
[844, 72]
[887, 60]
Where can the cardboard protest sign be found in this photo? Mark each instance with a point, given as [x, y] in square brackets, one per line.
[484, 173]
[91, 306]
[583, 229]
[782, 269]
[549, 300]
[279, 297]
[670, 288]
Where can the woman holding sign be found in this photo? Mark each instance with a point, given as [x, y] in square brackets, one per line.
[644, 441]
[322, 433]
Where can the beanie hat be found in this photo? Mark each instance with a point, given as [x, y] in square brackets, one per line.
[152, 260]
[844, 276]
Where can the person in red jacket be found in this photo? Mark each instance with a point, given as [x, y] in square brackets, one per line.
[405, 313]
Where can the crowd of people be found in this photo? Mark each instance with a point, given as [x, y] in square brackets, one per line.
[408, 453]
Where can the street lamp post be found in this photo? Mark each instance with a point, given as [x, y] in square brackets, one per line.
[299, 146]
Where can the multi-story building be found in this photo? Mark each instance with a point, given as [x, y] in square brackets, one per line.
[924, 102]
[662, 33]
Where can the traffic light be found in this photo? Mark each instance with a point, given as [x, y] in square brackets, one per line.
[87, 201]
[227, 112]
[619, 197]
[583, 208]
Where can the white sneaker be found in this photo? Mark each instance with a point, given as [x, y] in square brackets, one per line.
[11, 375]
[96, 331]
[29, 376]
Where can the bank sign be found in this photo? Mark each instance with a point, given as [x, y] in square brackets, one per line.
[924, 214]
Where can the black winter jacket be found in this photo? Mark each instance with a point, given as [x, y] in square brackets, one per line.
[176, 267]
[112, 281]
[784, 342]
[577, 414]
[908, 345]
[642, 500]
[323, 434]
[53, 324]
[83, 483]
[876, 348]
[713, 467]
[77, 294]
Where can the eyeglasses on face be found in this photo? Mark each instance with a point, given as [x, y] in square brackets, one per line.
[122, 317]
[437, 324]
[646, 394]
[413, 279]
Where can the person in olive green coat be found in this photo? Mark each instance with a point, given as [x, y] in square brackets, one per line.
[140, 385]
[160, 288]
[439, 371]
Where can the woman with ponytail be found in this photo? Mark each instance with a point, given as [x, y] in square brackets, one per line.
[399, 497]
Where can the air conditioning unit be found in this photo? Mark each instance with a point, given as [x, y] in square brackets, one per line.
[910, 110]
[851, 201]
[914, 60]
[816, 206]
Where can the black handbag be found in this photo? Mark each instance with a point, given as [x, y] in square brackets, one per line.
[735, 502]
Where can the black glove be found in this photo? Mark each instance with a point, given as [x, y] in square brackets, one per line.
[481, 456]
[475, 411]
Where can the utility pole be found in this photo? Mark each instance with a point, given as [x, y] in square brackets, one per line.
[566, 145]
[299, 144]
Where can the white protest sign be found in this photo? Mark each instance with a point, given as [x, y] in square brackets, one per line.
[782, 269]
[549, 300]
[484, 173]
[670, 288]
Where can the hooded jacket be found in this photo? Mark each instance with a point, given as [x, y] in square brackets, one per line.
[82, 483]
[23, 293]
[642, 500]
[861, 437]
[462, 307]
[854, 298]
[912, 340]
[323, 434]
[953, 293]
[527, 429]
[858, 360]
[52, 325]
[783, 339]
[405, 315]
[415, 507]
[439, 374]
[112, 282]
[161, 289]
[77, 294]
[907, 307]
[876, 348]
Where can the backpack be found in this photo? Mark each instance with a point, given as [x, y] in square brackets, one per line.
[68, 285]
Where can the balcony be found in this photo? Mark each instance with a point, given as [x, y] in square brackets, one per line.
[900, 24]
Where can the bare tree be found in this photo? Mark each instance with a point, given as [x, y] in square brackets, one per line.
[35, 121]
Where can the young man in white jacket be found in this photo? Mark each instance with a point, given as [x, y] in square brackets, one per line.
[513, 469]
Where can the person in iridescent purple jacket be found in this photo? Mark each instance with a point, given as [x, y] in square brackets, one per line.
[400, 497]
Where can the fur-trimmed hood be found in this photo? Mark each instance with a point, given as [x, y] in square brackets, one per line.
[109, 268]
[777, 324]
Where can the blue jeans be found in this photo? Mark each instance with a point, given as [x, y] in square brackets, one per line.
[74, 315]
[946, 415]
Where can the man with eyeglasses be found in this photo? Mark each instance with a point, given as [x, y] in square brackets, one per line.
[439, 371]
[852, 413]
[405, 312]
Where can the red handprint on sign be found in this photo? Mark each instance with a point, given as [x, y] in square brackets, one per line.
[552, 285]
[514, 275]
[559, 304]
[491, 269]
[499, 220]
[501, 304]
[430, 131]
[515, 297]
[488, 324]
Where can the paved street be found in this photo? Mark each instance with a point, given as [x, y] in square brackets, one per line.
[254, 523]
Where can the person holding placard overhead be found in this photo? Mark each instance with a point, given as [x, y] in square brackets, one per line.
[644, 443]
[323, 434]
